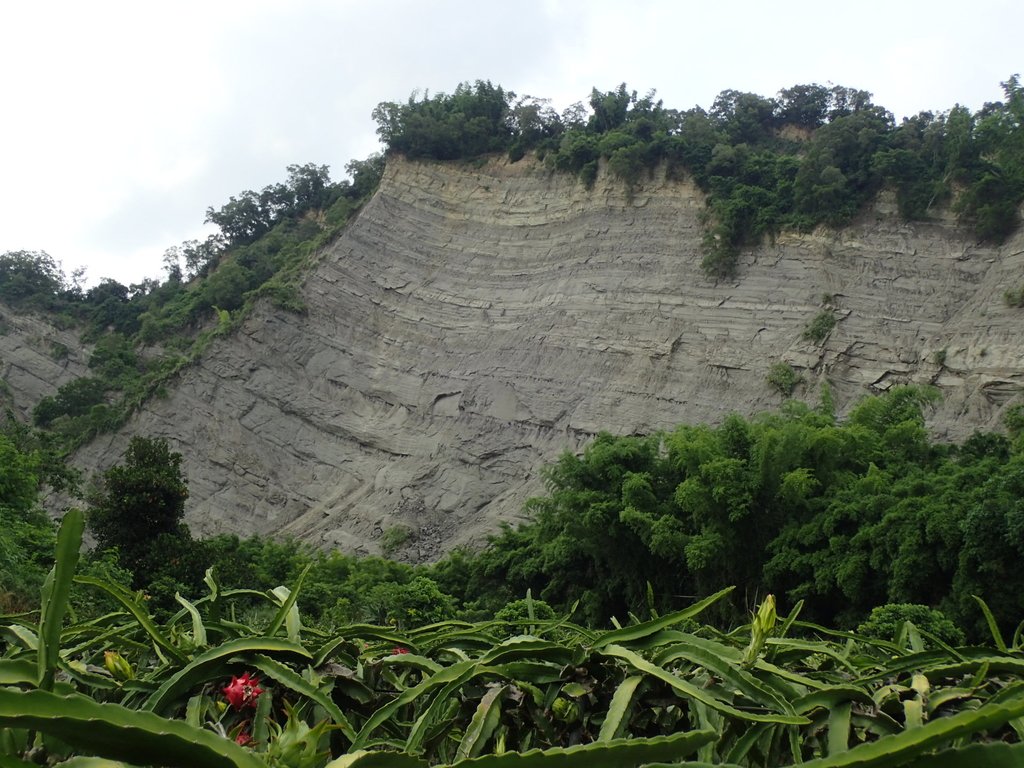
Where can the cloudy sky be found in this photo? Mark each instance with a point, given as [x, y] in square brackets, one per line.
[123, 121]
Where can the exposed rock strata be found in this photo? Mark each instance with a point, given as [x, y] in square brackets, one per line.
[475, 322]
[36, 358]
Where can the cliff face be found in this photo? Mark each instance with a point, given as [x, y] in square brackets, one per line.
[474, 322]
[36, 357]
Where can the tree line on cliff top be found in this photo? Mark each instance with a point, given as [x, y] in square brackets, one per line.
[811, 155]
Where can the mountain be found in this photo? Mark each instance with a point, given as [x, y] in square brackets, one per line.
[477, 319]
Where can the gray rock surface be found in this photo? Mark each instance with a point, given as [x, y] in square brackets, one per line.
[476, 321]
[36, 358]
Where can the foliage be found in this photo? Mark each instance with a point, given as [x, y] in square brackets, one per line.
[821, 326]
[472, 121]
[26, 537]
[811, 156]
[337, 589]
[31, 279]
[1014, 297]
[143, 334]
[394, 538]
[137, 512]
[246, 218]
[203, 690]
[845, 517]
[887, 621]
[783, 377]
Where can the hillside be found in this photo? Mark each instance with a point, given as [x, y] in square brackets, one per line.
[475, 320]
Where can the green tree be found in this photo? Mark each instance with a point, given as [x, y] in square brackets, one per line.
[805, 106]
[30, 278]
[137, 510]
[26, 536]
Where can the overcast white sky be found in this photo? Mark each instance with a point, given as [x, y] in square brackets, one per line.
[123, 121]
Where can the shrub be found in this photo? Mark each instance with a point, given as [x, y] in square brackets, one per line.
[394, 538]
[820, 327]
[518, 612]
[1014, 297]
[886, 621]
[784, 378]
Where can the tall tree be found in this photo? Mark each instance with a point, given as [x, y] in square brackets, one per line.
[138, 510]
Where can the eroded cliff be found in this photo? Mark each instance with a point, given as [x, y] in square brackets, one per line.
[36, 358]
[474, 322]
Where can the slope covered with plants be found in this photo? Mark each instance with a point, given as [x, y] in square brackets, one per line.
[143, 334]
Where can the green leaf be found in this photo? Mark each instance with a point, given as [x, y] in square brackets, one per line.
[832, 697]
[113, 731]
[18, 672]
[536, 673]
[839, 728]
[198, 628]
[212, 664]
[627, 634]
[620, 753]
[525, 647]
[261, 719]
[411, 661]
[16, 634]
[460, 672]
[746, 742]
[481, 727]
[738, 678]
[366, 759]
[993, 755]
[329, 651]
[418, 733]
[55, 594]
[895, 750]
[993, 627]
[288, 612]
[788, 622]
[809, 648]
[618, 710]
[692, 691]
[127, 599]
[913, 713]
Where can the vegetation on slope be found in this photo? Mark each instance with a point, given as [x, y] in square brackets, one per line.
[144, 333]
[811, 155]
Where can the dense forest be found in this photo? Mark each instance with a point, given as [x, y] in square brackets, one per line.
[582, 619]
